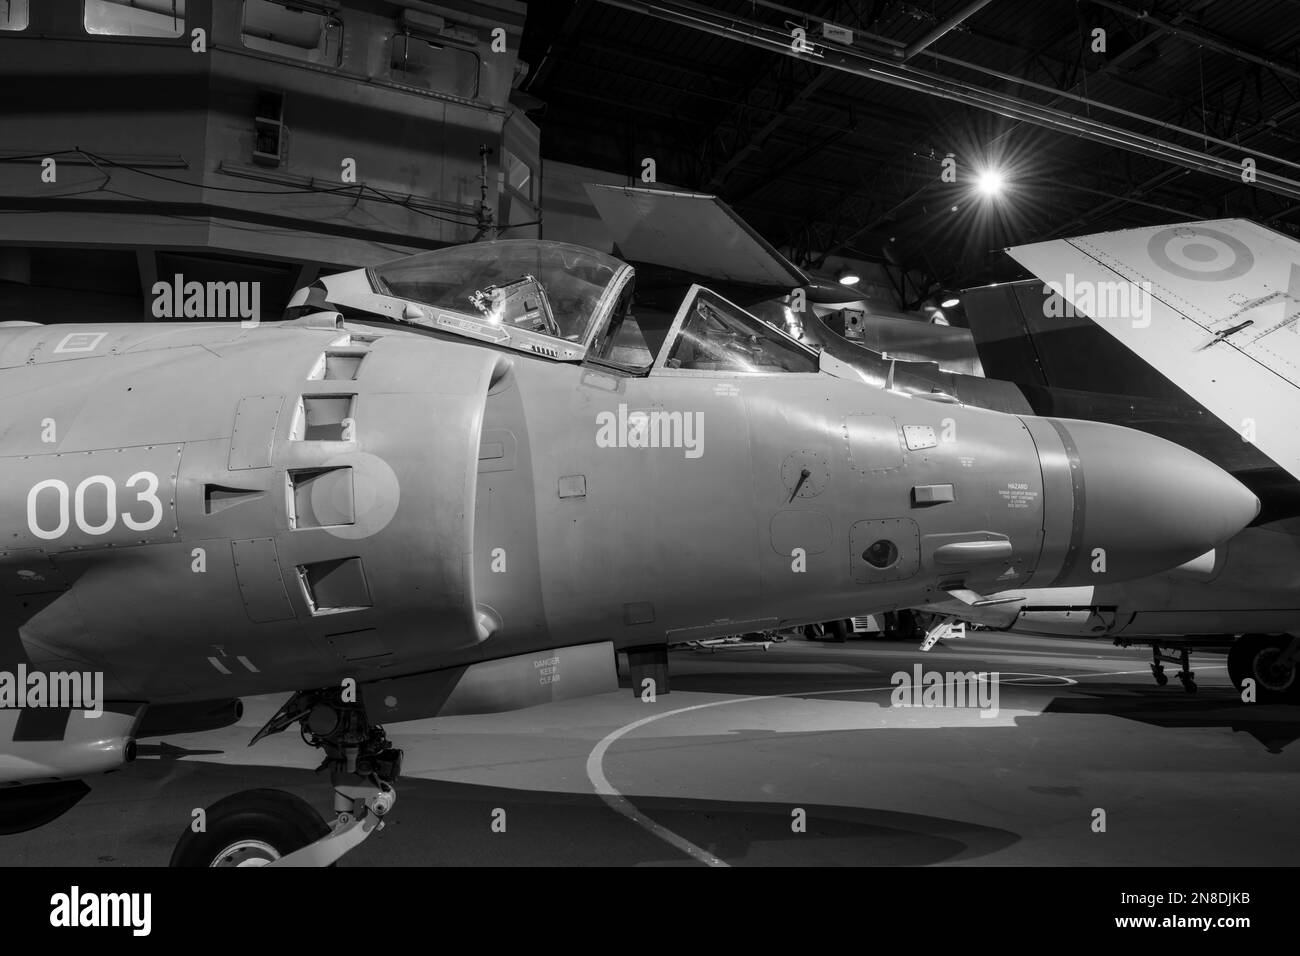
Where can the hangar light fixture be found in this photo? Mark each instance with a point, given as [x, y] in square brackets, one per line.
[849, 277]
[949, 302]
[990, 182]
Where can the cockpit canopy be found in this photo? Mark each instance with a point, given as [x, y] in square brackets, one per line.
[550, 287]
[565, 303]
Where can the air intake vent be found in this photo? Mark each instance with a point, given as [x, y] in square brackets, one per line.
[323, 418]
[336, 366]
[219, 498]
[321, 498]
[353, 339]
[335, 586]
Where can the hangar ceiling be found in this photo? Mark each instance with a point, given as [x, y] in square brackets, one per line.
[841, 152]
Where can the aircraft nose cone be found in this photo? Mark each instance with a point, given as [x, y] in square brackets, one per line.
[1147, 503]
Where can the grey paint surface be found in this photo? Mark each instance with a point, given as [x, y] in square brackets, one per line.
[472, 538]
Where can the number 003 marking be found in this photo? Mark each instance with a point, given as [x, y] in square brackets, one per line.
[72, 506]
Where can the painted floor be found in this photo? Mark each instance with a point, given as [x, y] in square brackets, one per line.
[790, 756]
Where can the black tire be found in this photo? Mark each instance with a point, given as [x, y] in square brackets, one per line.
[1252, 655]
[839, 631]
[904, 625]
[251, 828]
[814, 632]
[1239, 655]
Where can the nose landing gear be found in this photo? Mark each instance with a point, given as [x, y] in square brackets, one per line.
[1183, 660]
[274, 828]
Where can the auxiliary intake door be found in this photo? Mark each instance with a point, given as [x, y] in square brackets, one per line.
[887, 549]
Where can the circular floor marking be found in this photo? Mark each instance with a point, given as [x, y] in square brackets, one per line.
[623, 806]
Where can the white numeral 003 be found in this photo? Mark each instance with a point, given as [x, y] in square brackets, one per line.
[72, 506]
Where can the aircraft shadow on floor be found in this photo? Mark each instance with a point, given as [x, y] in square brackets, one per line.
[757, 673]
[1273, 725]
[451, 824]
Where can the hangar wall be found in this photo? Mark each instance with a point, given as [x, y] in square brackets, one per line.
[256, 141]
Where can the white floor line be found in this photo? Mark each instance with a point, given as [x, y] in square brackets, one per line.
[1144, 670]
[623, 806]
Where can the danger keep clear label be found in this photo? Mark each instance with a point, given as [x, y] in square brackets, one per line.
[1018, 494]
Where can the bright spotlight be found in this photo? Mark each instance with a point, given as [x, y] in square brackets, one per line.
[990, 182]
[949, 303]
[849, 277]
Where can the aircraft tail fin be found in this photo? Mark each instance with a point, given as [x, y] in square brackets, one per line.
[1023, 333]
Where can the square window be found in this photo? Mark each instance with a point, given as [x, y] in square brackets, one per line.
[290, 31]
[135, 18]
[441, 67]
[13, 15]
[519, 176]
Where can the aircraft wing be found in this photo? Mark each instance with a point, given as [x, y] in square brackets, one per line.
[1214, 306]
[692, 232]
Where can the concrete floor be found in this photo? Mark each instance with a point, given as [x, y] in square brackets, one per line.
[749, 737]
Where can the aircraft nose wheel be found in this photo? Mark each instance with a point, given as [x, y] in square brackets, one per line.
[1185, 673]
[251, 828]
[274, 828]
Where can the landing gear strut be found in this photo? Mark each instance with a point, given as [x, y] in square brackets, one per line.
[274, 828]
[1183, 660]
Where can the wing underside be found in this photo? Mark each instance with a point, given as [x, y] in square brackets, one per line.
[1212, 306]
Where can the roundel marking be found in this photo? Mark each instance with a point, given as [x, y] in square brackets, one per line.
[1199, 253]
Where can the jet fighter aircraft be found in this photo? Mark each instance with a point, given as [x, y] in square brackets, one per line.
[1220, 328]
[461, 481]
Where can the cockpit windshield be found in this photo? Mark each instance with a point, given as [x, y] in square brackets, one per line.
[717, 336]
[552, 288]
